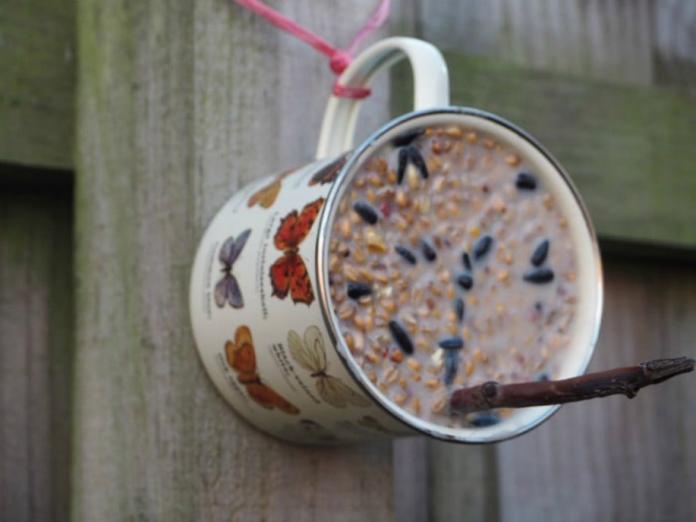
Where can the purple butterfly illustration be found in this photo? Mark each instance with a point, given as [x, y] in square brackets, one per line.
[227, 289]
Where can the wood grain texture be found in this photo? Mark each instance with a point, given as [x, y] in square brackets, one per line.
[412, 479]
[674, 23]
[35, 355]
[611, 139]
[439, 481]
[638, 42]
[618, 459]
[463, 482]
[181, 104]
[37, 61]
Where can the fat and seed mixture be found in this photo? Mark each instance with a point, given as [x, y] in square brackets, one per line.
[451, 265]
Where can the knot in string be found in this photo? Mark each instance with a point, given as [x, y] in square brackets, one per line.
[339, 59]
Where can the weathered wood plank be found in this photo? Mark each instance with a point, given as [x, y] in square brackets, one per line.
[613, 140]
[616, 459]
[412, 480]
[35, 355]
[439, 481]
[464, 482]
[37, 82]
[638, 42]
[180, 105]
[675, 43]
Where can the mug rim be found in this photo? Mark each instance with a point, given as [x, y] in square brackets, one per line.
[321, 266]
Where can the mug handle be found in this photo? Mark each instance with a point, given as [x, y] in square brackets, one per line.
[430, 78]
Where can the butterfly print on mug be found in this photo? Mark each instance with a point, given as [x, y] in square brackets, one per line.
[266, 196]
[328, 173]
[227, 289]
[310, 354]
[241, 357]
[289, 272]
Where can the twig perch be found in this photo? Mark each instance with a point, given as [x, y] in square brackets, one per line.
[625, 381]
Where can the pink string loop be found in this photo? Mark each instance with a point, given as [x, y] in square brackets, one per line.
[339, 59]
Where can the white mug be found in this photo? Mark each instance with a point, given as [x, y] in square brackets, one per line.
[259, 296]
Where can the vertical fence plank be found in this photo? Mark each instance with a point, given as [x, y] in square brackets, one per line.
[35, 354]
[412, 480]
[464, 482]
[180, 104]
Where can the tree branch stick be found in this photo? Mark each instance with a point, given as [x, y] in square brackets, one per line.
[626, 381]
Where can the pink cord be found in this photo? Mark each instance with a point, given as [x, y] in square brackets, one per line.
[339, 59]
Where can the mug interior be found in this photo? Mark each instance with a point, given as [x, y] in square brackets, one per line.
[558, 183]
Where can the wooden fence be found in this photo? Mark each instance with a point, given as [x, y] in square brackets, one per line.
[112, 164]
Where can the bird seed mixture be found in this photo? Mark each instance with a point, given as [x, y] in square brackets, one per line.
[451, 265]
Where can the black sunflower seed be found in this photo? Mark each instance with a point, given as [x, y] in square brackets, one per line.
[459, 309]
[451, 343]
[526, 181]
[418, 161]
[539, 276]
[466, 260]
[358, 290]
[366, 212]
[482, 247]
[465, 281]
[406, 254]
[403, 163]
[484, 419]
[451, 366]
[428, 251]
[540, 253]
[401, 337]
[407, 138]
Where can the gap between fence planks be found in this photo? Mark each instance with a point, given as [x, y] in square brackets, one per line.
[35, 353]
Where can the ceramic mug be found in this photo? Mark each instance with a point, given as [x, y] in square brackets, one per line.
[259, 294]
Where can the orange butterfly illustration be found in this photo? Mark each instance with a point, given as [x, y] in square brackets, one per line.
[266, 196]
[289, 273]
[328, 173]
[241, 357]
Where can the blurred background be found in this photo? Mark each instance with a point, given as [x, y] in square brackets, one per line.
[124, 125]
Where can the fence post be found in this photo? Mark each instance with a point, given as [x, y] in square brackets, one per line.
[179, 104]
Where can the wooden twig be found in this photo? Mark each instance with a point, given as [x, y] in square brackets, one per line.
[626, 381]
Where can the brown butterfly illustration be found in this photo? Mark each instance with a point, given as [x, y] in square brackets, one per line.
[241, 357]
[311, 355]
[329, 172]
[289, 273]
[227, 289]
[266, 196]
